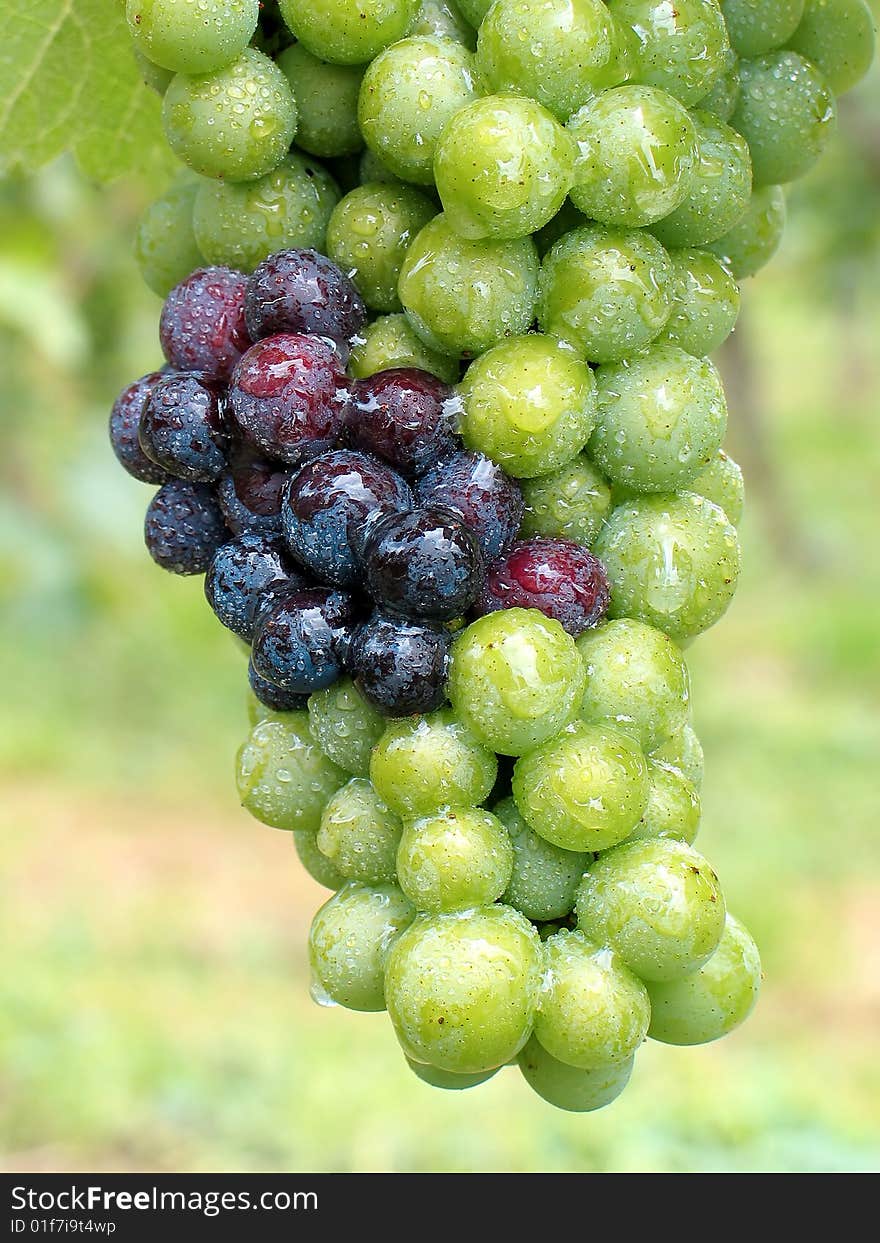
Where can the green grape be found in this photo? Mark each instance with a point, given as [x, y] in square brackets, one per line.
[359, 834]
[283, 777]
[786, 112]
[153, 75]
[345, 726]
[721, 100]
[759, 26]
[637, 681]
[462, 987]
[458, 857]
[605, 291]
[240, 224]
[544, 881]
[235, 124]
[571, 503]
[672, 561]
[369, 234]
[390, 342]
[462, 297]
[349, 942]
[473, 11]
[503, 167]
[407, 96]
[585, 789]
[327, 98]
[567, 218]
[673, 806]
[754, 241]
[529, 404]
[443, 20]
[191, 36]
[704, 304]
[682, 750]
[719, 190]
[662, 417]
[722, 483]
[165, 248]
[516, 679]
[638, 149]
[423, 763]
[838, 37]
[371, 169]
[315, 863]
[348, 32]
[711, 1002]
[566, 1087]
[592, 1010]
[556, 51]
[682, 47]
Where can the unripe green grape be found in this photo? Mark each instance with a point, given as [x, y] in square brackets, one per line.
[153, 75]
[235, 124]
[759, 26]
[567, 218]
[585, 789]
[754, 240]
[372, 169]
[327, 99]
[637, 681]
[637, 148]
[684, 751]
[786, 112]
[837, 36]
[369, 234]
[711, 1002]
[407, 96]
[446, 1079]
[348, 32]
[661, 418]
[722, 483]
[423, 763]
[473, 11]
[673, 808]
[721, 100]
[605, 291]
[592, 1010]
[455, 858]
[516, 678]
[191, 36]
[442, 19]
[570, 503]
[359, 834]
[462, 297]
[315, 863]
[672, 561]
[682, 47]
[529, 404]
[556, 51]
[544, 880]
[165, 248]
[704, 304]
[658, 903]
[239, 224]
[284, 779]
[461, 988]
[345, 726]
[719, 190]
[389, 341]
[349, 942]
[567, 1087]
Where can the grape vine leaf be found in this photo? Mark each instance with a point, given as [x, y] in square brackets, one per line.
[69, 82]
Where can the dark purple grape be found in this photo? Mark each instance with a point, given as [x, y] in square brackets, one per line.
[423, 564]
[202, 326]
[488, 501]
[273, 696]
[403, 415]
[301, 291]
[561, 578]
[125, 422]
[330, 506]
[301, 639]
[289, 396]
[400, 666]
[184, 527]
[250, 491]
[245, 576]
[183, 427]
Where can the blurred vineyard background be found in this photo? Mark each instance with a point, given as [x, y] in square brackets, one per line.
[154, 1012]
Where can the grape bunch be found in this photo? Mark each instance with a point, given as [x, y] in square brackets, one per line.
[438, 425]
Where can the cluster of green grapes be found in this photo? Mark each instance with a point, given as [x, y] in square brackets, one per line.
[549, 204]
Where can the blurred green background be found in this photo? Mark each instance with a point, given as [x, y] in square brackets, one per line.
[154, 1009]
